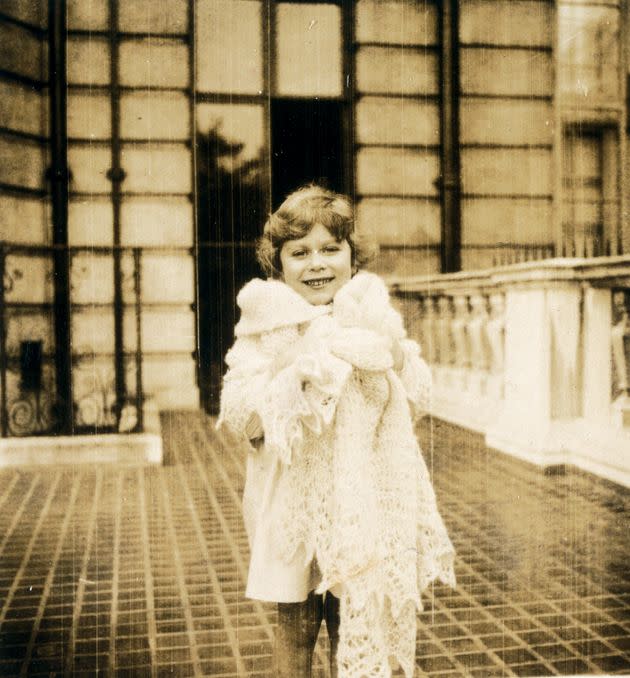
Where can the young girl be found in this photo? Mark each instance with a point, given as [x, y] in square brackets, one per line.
[322, 387]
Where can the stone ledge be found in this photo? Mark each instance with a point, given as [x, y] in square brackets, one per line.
[599, 271]
[122, 449]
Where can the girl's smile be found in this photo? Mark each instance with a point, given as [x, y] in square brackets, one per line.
[317, 265]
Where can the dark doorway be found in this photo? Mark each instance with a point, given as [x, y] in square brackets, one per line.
[230, 217]
[307, 145]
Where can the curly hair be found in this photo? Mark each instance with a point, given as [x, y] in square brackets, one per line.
[295, 217]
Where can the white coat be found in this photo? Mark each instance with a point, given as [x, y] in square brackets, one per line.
[338, 497]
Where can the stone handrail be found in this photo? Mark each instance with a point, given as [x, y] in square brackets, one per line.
[535, 355]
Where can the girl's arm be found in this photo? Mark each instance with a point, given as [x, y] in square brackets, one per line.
[415, 376]
[279, 382]
[248, 375]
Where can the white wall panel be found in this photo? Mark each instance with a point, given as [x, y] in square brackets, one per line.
[22, 163]
[506, 22]
[383, 120]
[396, 71]
[401, 222]
[23, 220]
[506, 171]
[157, 221]
[403, 22]
[157, 169]
[510, 122]
[396, 172]
[506, 72]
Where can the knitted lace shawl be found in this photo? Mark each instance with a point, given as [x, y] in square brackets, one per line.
[355, 492]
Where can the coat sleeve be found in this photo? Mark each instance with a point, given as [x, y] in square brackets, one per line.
[287, 394]
[302, 394]
[415, 376]
[244, 384]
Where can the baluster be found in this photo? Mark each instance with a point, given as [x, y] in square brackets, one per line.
[479, 349]
[427, 323]
[620, 338]
[444, 342]
[458, 326]
[495, 333]
[461, 359]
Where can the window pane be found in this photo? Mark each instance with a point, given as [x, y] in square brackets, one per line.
[28, 325]
[229, 46]
[153, 62]
[23, 220]
[396, 71]
[157, 221]
[161, 169]
[168, 278]
[392, 221]
[93, 385]
[506, 22]
[233, 124]
[93, 330]
[91, 279]
[25, 10]
[149, 16]
[21, 108]
[510, 72]
[404, 22]
[506, 171]
[20, 51]
[381, 120]
[308, 50]
[89, 116]
[168, 331]
[21, 163]
[93, 14]
[509, 122]
[396, 172]
[493, 220]
[589, 51]
[583, 175]
[172, 378]
[89, 166]
[230, 170]
[413, 261]
[154, 115]
[90, 222]
[88, 61]
[29, 279]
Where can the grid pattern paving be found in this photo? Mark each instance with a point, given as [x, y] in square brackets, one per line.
[141, 571]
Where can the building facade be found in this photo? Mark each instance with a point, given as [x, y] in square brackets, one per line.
[142, 144]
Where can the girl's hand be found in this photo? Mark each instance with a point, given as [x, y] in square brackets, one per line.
[253, 427]
[397, 355]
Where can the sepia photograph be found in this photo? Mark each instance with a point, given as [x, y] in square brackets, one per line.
[314, 338]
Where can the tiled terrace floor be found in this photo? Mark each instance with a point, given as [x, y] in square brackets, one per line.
[134, 572]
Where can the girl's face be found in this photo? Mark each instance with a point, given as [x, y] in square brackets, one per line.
[317, 265]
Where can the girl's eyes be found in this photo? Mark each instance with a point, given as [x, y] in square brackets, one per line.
[329, 249]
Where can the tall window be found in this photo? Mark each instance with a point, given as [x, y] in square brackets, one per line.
[268, 119]
[590, 111]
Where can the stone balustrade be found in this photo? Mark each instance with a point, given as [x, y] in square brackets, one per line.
[536, 356]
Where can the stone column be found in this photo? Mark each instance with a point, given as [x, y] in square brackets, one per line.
[478, 344]
[444, 340]
[459, 324]
[495, 333]
[620, 340]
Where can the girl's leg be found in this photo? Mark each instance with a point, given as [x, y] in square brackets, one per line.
[296, 635]
[331, 614]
